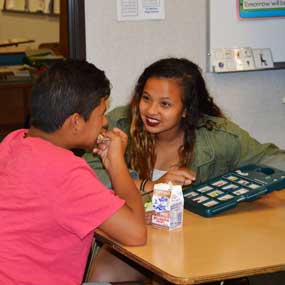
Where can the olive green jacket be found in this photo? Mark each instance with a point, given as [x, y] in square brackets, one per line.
[217, 151]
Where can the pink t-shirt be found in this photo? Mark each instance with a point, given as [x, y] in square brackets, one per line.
[51, 202]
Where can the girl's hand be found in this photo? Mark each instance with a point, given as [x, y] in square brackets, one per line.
[181, 176]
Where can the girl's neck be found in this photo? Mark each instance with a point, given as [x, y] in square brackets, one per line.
[167, 151]
[170, 138]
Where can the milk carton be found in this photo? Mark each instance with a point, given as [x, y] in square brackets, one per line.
[167, 204]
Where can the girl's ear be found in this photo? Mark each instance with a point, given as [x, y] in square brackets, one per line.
[184, 114]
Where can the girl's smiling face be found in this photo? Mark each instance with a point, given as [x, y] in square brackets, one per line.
[161, 106]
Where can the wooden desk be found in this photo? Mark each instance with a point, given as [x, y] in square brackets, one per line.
[247, 240]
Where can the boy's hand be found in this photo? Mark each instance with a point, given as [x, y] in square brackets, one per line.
[111, 147]
[181, 176]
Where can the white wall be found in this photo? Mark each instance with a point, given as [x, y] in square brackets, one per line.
[42, 29]
[123, 49]
[254, 101]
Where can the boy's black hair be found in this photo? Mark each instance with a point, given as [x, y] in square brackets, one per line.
[67, 87]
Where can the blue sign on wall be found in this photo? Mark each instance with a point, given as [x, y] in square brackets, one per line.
[261, 8]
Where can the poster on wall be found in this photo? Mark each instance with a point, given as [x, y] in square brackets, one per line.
[134, 10]
[31, 6]
[56, 7]
[256, 9]
[40, 6]
[15, 5]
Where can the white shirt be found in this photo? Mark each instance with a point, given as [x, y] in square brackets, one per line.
[157, 173]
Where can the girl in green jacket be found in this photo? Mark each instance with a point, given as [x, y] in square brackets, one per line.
[177, 133]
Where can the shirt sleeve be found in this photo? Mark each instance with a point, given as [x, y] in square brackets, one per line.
[252, 151]
[83, 203]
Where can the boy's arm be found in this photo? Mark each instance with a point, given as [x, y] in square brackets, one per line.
[127, 224]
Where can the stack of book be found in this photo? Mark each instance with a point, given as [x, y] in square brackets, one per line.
[15, 73]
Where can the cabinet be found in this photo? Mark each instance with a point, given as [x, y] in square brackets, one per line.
[14, 105]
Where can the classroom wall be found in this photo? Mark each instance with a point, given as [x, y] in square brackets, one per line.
[123, 49]
[42, 29]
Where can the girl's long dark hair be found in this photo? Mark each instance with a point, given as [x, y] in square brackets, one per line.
[197, 103]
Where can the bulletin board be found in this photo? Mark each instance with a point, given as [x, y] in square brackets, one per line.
[228, 30]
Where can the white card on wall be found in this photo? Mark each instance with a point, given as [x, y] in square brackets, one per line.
[134, 10]
[232, 59]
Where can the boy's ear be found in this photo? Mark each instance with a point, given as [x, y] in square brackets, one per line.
[184, 114]
[75, 122]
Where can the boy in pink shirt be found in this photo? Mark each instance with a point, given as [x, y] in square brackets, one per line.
[51, 200]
